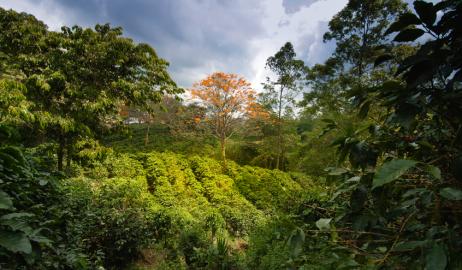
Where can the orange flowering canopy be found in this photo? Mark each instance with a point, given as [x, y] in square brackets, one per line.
[228, 98]
[225, 95]
[257, 111]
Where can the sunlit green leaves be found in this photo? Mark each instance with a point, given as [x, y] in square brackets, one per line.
[391, 171]
[323, 224]
[76, 78]
[14, 107]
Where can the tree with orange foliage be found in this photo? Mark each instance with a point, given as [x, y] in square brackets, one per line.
[227, 98]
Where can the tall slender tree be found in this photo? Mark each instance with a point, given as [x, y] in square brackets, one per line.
[281, 92]
[359, 28]
[359, 33]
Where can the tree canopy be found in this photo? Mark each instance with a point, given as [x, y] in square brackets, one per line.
[78, 78]
[363, 172]
[227, 98]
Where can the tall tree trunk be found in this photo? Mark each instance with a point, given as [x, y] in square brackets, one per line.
[283, 160]
[223, 151]
[61, 146]
[146, 137]
[278, 154]
[68, 156]
[279, 142]
[364, 45]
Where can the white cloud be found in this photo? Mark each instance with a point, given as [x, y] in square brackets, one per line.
[45, 10]
[302, 28]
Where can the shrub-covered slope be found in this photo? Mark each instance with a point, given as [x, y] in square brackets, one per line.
[186, 210]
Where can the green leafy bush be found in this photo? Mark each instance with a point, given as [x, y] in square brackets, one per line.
[31, 224]
[113, 226]
[269, 190]
[122, 204]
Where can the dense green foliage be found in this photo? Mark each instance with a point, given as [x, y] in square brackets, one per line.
[370, 168]
[76, 79]
[398, 166]
[109, 212]
[280, 95]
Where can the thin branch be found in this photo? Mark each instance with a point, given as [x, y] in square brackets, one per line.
[381, 261]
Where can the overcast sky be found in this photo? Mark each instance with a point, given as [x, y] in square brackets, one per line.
[199, 37]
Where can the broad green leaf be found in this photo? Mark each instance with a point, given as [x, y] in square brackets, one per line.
[16, 215]
[434, 171]
[409, 19]
[382, 59]
[410, 202]
[15, 241]
[323, 224]
[296, 241]
[391, 171]
[354, 179]
[392, 85]
[419, 73]
[337, 171]
[436, 258]
[442, 5]
[36, 236]
[451, 194]
[17, 225]
[364, 109]
[404, 21]
[426, 12]
[348, 263]
[409, 35]
[43, 182]
[405, 115]
[5, 201]
[41, 239]
[414, 191]
[409, 245]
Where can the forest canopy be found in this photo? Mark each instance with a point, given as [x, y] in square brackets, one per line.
[352, 163]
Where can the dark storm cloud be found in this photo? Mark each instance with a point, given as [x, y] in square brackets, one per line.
[190, 34]
[198, 37]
